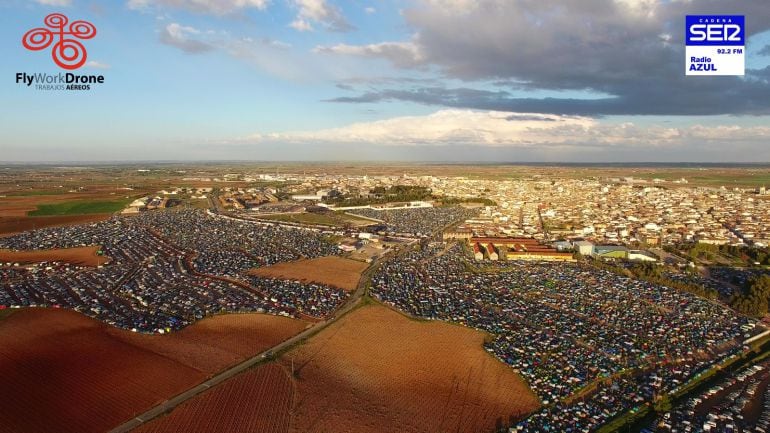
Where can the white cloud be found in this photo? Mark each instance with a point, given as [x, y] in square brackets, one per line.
[370, 10]
[274, 57]
[321, 12]
[490, 128]
[97, 64]
[499, 129]
[217, 7]
[301, 25]
[453, 6]
[55, 2]
[402, 54]
[178, 36]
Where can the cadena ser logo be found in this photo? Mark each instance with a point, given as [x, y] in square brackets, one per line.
[67, 51]
[715, 45]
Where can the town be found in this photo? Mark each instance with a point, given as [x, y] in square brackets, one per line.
[604, 294]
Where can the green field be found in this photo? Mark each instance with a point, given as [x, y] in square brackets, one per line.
[199, 203]
[32, 193]
[79, 207]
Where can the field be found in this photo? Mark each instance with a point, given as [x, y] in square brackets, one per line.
[79, 207]
[65, 372]
[376, 371]
[334, 271]
[337, 219]
[81, 256]
[259, 400]
[19, 212]
[10, 225]
[215, 343]
[373, 371]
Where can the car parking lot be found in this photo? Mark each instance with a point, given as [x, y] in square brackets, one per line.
[565, 326]
[168, 269]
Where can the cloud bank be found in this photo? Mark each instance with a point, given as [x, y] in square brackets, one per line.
[498, 129]
[630, 50]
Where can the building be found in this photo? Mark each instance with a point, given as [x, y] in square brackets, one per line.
[459, 233]
[516, 249]
[478, 252]
[303, 197]
[642, 256]
[492, 252]
[584, 248]
[562, 245]
[611, 252]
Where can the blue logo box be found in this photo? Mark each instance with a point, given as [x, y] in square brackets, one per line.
[715, 30]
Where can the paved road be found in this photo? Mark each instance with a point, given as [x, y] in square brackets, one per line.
[172, 403]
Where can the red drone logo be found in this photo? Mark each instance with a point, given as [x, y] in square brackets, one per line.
[68, 53]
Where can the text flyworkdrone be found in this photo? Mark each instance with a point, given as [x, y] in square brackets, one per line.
[60, 78]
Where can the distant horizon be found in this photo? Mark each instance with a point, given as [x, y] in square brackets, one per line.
[679, 164]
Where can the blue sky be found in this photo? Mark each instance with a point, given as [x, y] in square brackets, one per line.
[391, 80]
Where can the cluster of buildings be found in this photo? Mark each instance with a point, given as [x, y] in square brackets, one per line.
[247, 198]
[619, 211]
[503, 248]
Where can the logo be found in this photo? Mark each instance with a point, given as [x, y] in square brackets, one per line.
[715, 30]
[715, 45]
[68, 53]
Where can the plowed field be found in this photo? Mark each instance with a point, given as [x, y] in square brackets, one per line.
[83, 256]
[334, 271]
[64, 372]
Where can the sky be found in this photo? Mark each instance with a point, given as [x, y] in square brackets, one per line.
[379, 80]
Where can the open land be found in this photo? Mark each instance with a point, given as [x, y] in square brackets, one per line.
[373, 371]
[259, 400]
[334, 271]
[81, 256]
[109, 375]
[79, 207]
[390, 373]
[212, 344]
[10, 225]
[15, 210]
[27, 210]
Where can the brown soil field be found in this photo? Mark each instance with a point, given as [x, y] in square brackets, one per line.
[373, 371]
[18, 224]
[257, 401]
[81, 256]
[332, 270]
[65, 372]
[212, 344]
[13, 210]
[18, 206]
[377, 371]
